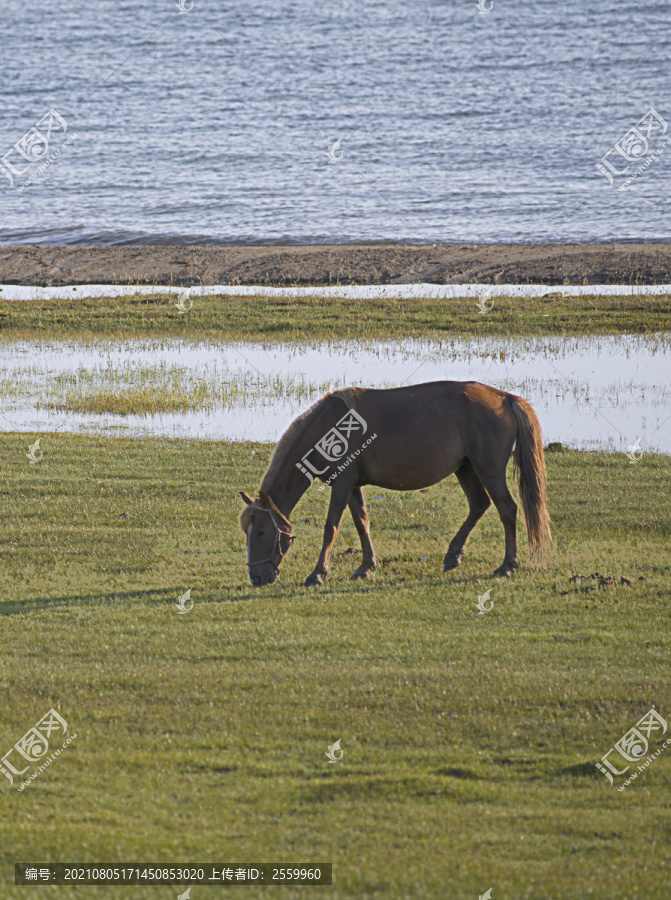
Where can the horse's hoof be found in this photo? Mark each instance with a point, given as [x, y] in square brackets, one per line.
[313, 581]
[506, 570]
[451, 563]
[361, 573]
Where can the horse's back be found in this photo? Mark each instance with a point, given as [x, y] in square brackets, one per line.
[449, 402]
[425, 432]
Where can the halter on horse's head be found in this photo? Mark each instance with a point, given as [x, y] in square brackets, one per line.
[254, 526]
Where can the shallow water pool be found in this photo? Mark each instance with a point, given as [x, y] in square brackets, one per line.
[589, 393]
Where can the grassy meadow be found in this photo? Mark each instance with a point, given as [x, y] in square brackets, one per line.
[318, 319]
[470, 740]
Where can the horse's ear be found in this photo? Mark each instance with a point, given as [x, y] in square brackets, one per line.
[265, 499]
[245, 496]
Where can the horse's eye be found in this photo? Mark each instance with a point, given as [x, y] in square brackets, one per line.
[261, 533]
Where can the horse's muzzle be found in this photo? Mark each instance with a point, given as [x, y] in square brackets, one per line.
[266, 576]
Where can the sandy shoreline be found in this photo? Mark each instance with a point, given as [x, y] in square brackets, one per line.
[578, 264]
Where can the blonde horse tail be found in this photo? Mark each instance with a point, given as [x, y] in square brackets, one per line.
[529, 463]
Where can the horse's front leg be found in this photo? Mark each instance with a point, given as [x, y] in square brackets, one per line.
[337, 506]
[357, 507]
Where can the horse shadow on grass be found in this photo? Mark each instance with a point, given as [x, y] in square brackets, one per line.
[153, 597]
[337, 587]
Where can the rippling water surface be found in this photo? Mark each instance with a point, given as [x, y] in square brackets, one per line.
[216, 125]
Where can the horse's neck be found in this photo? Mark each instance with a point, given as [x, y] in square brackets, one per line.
[290, 482]
[287, 488]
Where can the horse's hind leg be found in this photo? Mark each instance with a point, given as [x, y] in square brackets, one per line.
[479, 503]
[358, 509]
[507, 509]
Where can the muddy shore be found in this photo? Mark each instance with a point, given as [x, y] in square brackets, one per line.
[339, 264]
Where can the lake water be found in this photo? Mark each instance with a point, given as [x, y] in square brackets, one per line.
[488, 293]
[589, 393]
[221, 124]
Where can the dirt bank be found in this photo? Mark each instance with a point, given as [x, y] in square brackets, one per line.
[345, 264]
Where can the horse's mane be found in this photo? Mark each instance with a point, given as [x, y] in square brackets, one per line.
[349, 396]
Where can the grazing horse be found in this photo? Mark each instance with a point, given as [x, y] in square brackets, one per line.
[401, 439]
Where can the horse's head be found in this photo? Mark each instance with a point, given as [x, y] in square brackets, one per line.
[268, 538]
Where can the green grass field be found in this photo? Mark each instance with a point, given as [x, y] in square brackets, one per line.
[312, 318]
[470, 740]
